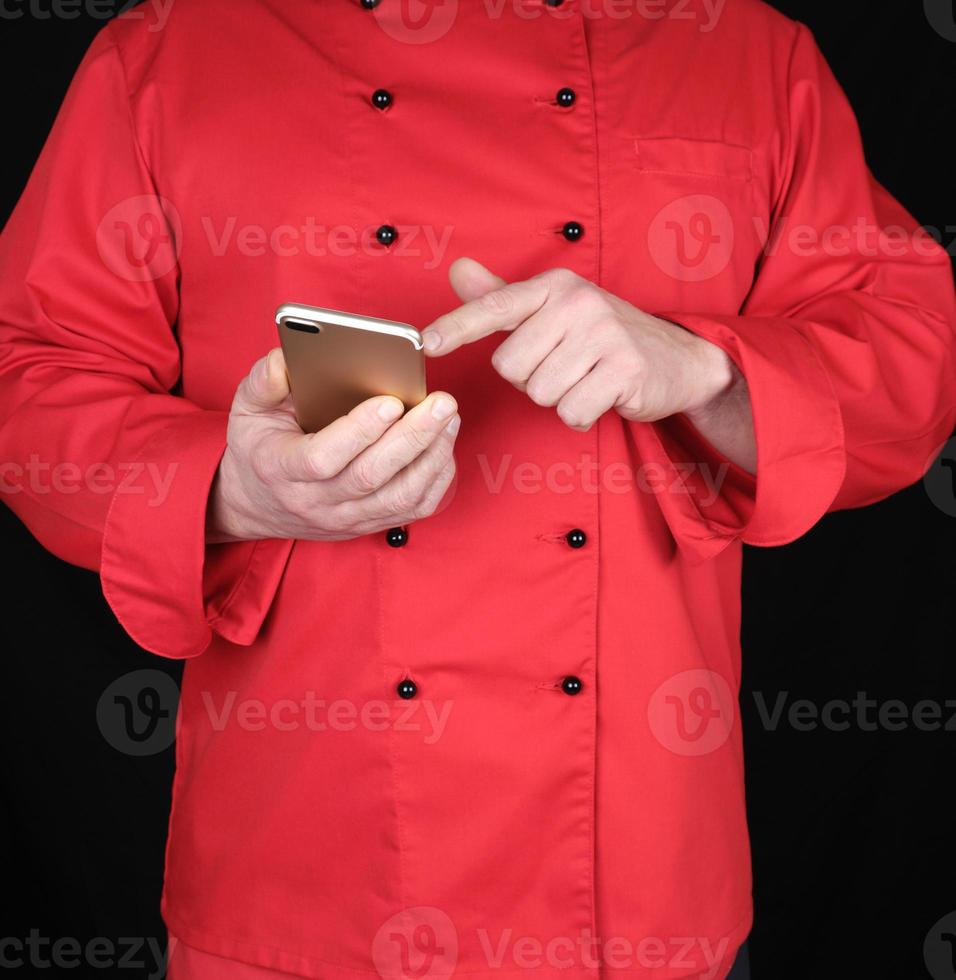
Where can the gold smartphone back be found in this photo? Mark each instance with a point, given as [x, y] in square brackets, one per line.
[336, 360]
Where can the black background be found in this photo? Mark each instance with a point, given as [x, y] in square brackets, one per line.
[852, 829]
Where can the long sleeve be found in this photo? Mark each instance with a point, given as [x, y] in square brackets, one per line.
[107, 467]
[846, 339]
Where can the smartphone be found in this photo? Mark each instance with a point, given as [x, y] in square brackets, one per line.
[336, 360]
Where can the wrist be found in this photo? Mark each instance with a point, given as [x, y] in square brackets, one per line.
[226, 518]
[718, 378]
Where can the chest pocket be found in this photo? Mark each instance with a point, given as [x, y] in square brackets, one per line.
[699, 207]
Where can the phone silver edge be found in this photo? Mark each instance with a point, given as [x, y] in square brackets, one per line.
[318, 315]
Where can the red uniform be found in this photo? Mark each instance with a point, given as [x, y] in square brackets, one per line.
[706, 168]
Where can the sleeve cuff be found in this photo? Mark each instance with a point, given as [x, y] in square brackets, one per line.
[166, 586]
[801, 460]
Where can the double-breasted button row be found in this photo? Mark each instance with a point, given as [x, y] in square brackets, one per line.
[397, 537]
[383, 99]
[407, 689]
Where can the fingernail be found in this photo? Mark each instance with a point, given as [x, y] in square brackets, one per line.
[443, 408]
[432, 339]
[453, 426]
[390, 410]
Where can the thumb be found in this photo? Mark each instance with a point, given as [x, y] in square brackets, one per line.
[470, 279]
[265, 387]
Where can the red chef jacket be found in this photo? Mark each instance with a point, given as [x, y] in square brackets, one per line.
[208, 167]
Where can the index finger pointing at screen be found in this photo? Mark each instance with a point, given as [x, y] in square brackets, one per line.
[502, 307]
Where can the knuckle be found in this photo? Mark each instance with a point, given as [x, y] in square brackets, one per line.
[636, 402]
[241, 399]
[608, 324]
[561, 277]
[585, 300]
[322, 468]
[318, 464]
[436, 492]
[426, 508]
[571, 417]
[456, 323]
[537, 391]
[399, 503]
[363, 433]
[498, 301]
[506, 366]
[362, 476]
[635, 366]
[417, 439]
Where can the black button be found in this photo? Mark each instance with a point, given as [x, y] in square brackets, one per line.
[407, 689]
[572, 231]
[554, 3]
[566, 97]
[381, 98]
[386, 234]
[576, 538]
[396, 536]
[370, 4]
[571, 685]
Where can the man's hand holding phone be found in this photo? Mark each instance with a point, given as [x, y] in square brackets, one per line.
[370, 470]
